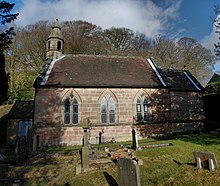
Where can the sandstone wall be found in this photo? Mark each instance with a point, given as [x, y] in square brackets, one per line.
[169, 112]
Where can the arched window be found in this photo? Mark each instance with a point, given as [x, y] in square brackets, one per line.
[71, 110]
[58, 45]
[142, 110]
[111, 109]
[67, 111]
[139, 109]
[75, 111]
[48, 45]
[107, 109]
[145, 110]
[104, 110]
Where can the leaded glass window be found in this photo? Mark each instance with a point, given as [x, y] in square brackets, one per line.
[111, 110]
[104, 110]
[75, 111]
[67, 111]
[139, 110]
[142, 109]
[145, 110]
[71, 110]
[107, 109]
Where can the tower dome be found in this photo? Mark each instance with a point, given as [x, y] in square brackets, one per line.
[55, 41]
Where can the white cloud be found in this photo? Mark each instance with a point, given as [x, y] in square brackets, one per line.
[139, 15]
[209, 41]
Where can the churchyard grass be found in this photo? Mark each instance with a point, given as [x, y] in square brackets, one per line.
[175, 165]
[169, 165]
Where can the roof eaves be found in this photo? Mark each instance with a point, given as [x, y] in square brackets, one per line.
[156, 72]
[191, 80]
[49, 70]
[103, 86]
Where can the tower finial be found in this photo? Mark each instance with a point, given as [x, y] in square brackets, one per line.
[56, 24]
[55, 42]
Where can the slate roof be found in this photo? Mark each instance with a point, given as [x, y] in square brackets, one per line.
[181, 80]
[114, 71]
[101, 71]
[22, 110]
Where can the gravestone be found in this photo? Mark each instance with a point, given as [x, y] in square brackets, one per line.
[85, 149]
[78, 169]
[128, 172]
[134, 139]
[205, 160]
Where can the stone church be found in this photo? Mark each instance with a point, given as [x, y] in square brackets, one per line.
[117, 94]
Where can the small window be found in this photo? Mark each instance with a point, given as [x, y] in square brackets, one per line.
[48, 45]
[111, 110]
[139, 110]
[145, 110]
[23, 127]
[104, 110]
[67, 111]
[75, 111]
[59, 45]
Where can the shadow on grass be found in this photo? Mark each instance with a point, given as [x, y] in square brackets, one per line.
[191, 164]
[111, 181]
[201, 139]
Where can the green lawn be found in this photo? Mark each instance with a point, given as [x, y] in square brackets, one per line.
[175, 165]
[171, 165]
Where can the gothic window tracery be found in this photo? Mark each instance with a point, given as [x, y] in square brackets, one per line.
[142, 109]
[71, 110]
[107, 109]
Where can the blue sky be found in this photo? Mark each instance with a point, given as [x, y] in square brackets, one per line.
[174, 18]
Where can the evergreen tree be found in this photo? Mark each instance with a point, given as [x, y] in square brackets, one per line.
[3, 80]
[5, 40]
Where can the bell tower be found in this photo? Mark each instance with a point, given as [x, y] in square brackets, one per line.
[54, 46]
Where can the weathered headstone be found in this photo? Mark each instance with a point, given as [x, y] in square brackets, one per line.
[134, 139]
[140, 162]
[78, 169]
[128, 172]
[85, 157]
[205, 160]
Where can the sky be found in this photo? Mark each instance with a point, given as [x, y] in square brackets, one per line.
[173, 18]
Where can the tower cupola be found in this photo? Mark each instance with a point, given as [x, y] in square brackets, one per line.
[55, 41]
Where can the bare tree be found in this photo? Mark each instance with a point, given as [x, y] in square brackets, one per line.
[82, 37]
[119, 38]
[196, 58]
[185, 54]
[165, 52]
